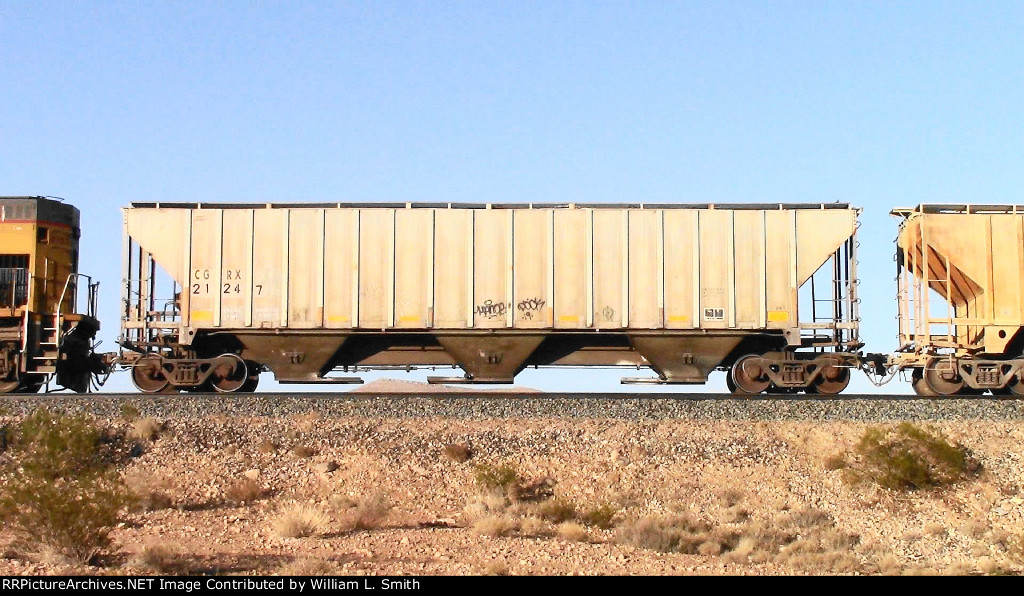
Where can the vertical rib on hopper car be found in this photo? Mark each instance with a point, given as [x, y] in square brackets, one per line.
[304, 289]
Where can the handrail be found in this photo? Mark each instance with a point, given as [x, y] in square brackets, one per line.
[90, 306]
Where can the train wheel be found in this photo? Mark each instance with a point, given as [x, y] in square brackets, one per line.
[148, 376]
[918, 384]
[9, 386]
[1014, 387]
[832, 380]
[941, 376]
[254, 378]
[230, 376]
[747, 377]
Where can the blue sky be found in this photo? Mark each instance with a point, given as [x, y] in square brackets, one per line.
[879, 104]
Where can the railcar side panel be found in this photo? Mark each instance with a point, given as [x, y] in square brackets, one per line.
[611, 271]
[341, 266]
[643, 260]
[536, 232]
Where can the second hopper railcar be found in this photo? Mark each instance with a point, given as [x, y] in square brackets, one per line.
[215, 293]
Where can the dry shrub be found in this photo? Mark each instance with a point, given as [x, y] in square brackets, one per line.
[299, 521]
[496, 568]
[735, 515]
[668, 534]
[494, 525]
[990, 566]
[908, 457]
[935, 529]
[601, 516]
[888, 564]
[149, 492]
[267, 446]
[534, 526]
[305, 423]
[370, 511]
[806, 539]
[835, 462]
[301, 451]
[458, 452]
[158, 558]
[244, 490]
[341, 502]
[958, 568]
[308, 567]
[555, 511]
[572, 531]
[129, 412]
[484, 505]
[504, 479]
[499, 478]
[146, 429]
[63, 495]
[731, 496]
[975, 528]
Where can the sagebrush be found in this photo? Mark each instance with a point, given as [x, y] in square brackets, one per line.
[64, 493]
[907, 457]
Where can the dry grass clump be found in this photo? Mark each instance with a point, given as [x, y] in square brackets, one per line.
[555, 511]
[669, 534]
[572, 531]
[935, 529]
[129, 412]
[908, 457]
[63, 494]
[244, 490]
[534, 526]
[600, 516]
[308, 566]
[302, 451]
[146, 429]
[496, 478]
[458, 452]
[370, 511]
[305, 423]
[495, 568]
[300, 521]
[494, 525]
[505, 479]
[158, 558]
[149, 492]
[806, 539]
[266, 446]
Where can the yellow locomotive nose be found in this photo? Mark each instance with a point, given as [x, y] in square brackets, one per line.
[45, 335]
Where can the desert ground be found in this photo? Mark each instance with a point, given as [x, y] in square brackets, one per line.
[314, 495]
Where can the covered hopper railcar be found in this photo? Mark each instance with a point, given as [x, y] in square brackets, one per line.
[216, 293]
[961, 298]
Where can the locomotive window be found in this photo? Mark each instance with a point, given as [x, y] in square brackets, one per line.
[13, 280]
[13, 261]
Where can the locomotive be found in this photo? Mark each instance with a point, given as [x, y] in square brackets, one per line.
[48, 318]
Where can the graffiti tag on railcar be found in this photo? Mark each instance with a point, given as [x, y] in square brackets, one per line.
[491, 310]
[530, 306]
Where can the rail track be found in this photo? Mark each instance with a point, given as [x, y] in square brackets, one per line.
[530, 405]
